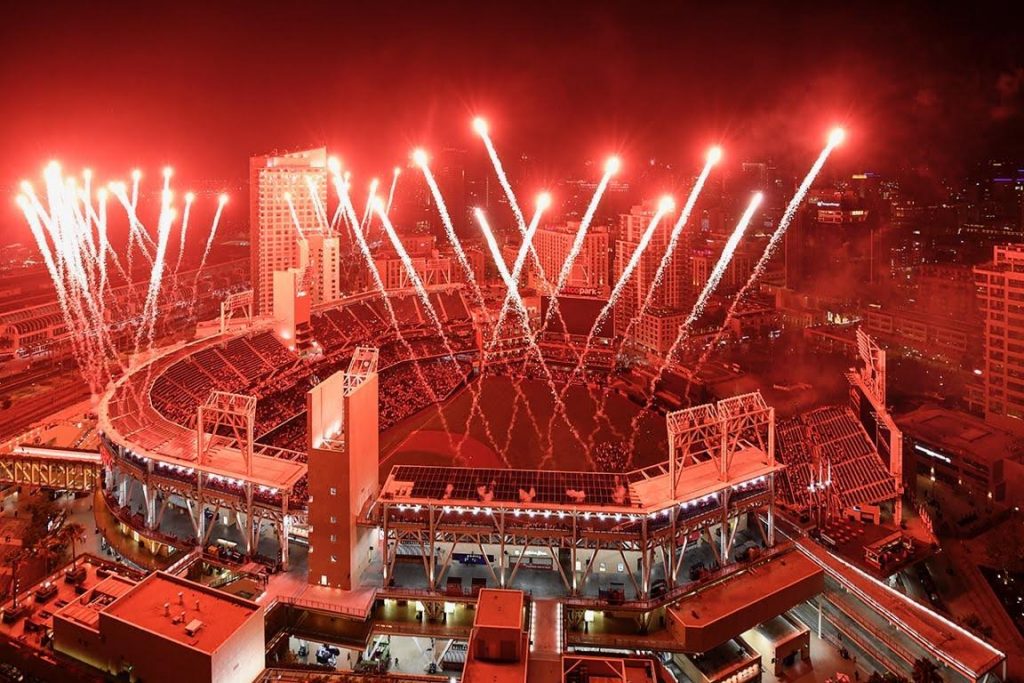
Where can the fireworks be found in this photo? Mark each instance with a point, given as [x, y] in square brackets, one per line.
[611, 167]
[421, 159]
[391, 192]
[481, 129]
[69, 223]
[702, 300]
[835, 138]
[71, 232]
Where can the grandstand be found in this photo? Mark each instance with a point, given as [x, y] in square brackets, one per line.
[832, 437]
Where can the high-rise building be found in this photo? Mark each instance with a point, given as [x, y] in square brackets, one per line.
[1000, 287]
[590, 269]
[274, 237]
[831, 247]
[673, 290]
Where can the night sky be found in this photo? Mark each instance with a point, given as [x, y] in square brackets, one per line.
[203, 86]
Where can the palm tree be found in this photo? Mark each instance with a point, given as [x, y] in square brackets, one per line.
[925, 671]
[14, 558]
[73, 533]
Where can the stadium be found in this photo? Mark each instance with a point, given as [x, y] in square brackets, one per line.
[485, 478]
[150, 420]
[724, 501]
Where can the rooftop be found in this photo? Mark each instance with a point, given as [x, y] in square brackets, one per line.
[959, 432]
[499, 609]
[219, 614]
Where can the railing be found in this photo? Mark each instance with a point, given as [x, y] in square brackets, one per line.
[322, 605]
[679, 592]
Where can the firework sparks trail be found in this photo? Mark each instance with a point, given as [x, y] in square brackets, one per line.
[101, 230]
[371, 199]
[164, 224]
[334, 171]
[611, 167]
[421, 160]
[480, 127]
[295, 216]
[136, 176]
[435, 319]
[698, 309]
[221, 201]
[524, 318]
[345, 205]
[318, 206]
[835, 139]
[189, 198]
[543, 202]
[664, 207]
[391, 192]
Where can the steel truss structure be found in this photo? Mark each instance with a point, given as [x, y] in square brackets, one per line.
[655, 528]
[222, 412]
[363, 364]
[46, 468]
[235, 305]
[203, 493]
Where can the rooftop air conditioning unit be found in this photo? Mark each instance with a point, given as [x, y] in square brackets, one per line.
[193, 627]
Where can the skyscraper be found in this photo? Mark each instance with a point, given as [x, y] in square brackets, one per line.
[590, 268]
[1000, 287]
[274, 237]
[673, 289]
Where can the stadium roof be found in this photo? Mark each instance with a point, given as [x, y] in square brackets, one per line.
[633, 492]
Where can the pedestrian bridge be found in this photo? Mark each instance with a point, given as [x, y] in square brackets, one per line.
[67, 469]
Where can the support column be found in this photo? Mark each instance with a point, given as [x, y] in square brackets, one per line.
[724, 542]
[283, 530]
[122, 491]
[149, 496]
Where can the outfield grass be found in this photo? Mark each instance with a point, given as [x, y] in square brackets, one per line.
[501, 405]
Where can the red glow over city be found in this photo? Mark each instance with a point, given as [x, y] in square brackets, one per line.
[579, 342]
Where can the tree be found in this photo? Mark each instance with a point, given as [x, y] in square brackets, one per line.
[925, 671]
[13, 558]
[1005, 547]
[73, 533]
[41, 512]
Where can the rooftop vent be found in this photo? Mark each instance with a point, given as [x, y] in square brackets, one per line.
[193, 627]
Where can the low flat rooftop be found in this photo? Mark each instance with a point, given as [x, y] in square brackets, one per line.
[499, 609]
[745, 599]
[221, 614]
[98, 572]
[960, 432]
[85, 609]
[948, 642]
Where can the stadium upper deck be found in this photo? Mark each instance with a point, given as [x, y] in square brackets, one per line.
[127, 417]
[640, 491]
